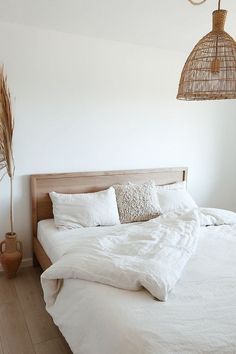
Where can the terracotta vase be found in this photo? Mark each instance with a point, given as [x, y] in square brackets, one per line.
[10, 254]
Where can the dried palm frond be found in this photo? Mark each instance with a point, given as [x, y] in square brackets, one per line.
[6, 127]
[6, 136]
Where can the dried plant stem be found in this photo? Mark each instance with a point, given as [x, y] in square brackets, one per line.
[11, 206]
[6, 136]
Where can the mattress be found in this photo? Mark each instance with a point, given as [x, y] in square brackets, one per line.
[199, 316]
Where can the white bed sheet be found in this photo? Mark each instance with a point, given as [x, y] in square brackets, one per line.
[199, 316]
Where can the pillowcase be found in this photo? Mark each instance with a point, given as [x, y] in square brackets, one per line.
[174, 197]
[176, 185]
[85, 209]
[137, 202]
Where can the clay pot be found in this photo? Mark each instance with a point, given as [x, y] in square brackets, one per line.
[10, 254]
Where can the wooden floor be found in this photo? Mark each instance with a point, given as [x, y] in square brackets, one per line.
[25, 326]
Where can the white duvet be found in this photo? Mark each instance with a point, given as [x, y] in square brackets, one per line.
[150, 255]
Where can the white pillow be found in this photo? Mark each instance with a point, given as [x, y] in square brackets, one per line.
[174, 197]
[176, 185]
[85, 209]
[137, 202]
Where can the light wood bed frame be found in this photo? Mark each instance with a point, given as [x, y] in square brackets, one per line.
[84, 182]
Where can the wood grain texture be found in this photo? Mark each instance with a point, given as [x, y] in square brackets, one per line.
[87, 182]
[7, 290]
[29, 290]
[41, 326]
[14, 333]
[25, 326]
[53, 346]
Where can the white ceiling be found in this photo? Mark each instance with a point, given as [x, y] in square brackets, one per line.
[174, 24]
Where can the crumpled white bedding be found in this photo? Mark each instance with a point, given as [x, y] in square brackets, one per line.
[77, 300]
[150, 255]
[57, 242]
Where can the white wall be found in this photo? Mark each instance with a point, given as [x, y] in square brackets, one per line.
[86, 104]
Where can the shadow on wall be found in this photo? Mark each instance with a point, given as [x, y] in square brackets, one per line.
[223, 193]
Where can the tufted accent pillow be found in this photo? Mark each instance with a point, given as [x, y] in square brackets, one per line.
[137, 202]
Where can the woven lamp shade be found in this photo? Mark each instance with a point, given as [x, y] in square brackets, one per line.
[210, 70]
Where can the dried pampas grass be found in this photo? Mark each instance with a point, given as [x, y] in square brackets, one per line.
[6, 136]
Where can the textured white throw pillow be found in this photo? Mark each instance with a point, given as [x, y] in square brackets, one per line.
[137, 202]
[174, 197]
[85, 209]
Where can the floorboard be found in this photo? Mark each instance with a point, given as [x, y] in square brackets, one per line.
[25, 326]
[7, 290]
[14, 334]
[53, 346]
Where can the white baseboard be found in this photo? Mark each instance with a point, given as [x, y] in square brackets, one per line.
[26, 262]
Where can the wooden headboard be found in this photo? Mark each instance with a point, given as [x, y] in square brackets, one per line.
[83, 182]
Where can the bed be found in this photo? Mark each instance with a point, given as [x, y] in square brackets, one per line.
[200, 314]
[83, 182]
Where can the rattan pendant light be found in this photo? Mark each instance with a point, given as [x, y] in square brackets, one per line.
[210, 70]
